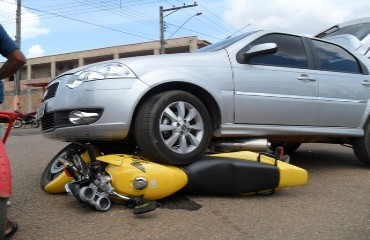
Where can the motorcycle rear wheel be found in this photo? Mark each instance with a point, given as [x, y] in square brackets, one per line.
[35, 124]
[17, 123]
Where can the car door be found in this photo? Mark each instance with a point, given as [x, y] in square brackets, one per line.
[344, 86]
[279, 88]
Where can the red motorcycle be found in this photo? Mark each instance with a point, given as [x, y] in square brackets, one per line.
[5, 171]
[26, 118]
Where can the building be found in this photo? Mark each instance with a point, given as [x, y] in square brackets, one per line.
[38, 72]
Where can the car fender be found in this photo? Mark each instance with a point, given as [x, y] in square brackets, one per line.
[216, 80]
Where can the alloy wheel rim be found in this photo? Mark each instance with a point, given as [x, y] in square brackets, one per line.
[181, 127]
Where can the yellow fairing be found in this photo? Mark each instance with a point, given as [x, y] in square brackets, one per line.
[163, 180]
[58, 183]
[290, 175]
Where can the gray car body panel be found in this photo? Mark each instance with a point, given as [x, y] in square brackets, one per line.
[248, 108]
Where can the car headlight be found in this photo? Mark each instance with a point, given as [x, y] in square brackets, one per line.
[101, 71]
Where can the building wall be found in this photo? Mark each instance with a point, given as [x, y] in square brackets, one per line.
[43, 69]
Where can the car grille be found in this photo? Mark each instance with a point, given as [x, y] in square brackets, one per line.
[48, 121]
[51, 90]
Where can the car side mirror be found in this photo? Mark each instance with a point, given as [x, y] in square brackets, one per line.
[260, 49]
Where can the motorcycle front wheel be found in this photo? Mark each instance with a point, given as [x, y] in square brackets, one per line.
[17, 123]
[53, 179]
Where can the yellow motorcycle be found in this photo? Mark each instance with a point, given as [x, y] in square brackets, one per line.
[81, 170]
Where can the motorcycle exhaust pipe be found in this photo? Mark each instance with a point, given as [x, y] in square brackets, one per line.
[89, 195]
[102, 204]
[86, 194]
[253, 145]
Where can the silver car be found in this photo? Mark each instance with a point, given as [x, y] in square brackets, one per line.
[233, 95]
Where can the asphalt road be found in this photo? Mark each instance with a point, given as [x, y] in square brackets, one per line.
[335, 204]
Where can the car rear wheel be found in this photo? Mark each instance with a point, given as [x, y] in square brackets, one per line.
[361, 146]
[173, 127]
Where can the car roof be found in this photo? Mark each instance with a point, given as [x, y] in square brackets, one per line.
[329, 31]
[353, 34]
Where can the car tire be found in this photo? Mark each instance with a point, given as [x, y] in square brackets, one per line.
[173, 127]
[361, 146]
[289, 148]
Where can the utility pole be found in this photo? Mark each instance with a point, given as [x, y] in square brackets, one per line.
[161, 21]
[17, 80]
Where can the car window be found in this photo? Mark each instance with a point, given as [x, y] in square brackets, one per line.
[334, 58]
[290, 51]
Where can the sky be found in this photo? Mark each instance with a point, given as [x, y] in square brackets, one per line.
[63, 26]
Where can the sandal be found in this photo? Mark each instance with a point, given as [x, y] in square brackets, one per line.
[12, 228]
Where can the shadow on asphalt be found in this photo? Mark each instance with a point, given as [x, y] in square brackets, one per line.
[328, 158]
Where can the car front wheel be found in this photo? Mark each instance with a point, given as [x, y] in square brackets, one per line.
[173, 127]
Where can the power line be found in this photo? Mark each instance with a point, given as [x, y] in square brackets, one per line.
[219, 27]
[193, 31]
[132, 16]
[82, 21]
[124, 9]
[200, 5]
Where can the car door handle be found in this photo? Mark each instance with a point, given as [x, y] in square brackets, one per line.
[305, 77]
[366, 83]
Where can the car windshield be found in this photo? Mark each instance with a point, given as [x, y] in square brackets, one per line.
[360, 30]
[223, 44]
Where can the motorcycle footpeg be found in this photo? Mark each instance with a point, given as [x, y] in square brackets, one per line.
[145, 207]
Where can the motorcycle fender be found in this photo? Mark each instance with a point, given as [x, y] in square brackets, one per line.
[58, 183]
[162, 180]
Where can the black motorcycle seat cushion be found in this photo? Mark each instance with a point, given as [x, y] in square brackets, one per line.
[225, 176]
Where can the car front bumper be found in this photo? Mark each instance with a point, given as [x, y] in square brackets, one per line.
[113, 100]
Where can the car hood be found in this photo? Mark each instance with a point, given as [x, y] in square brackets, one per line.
[142, 64]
